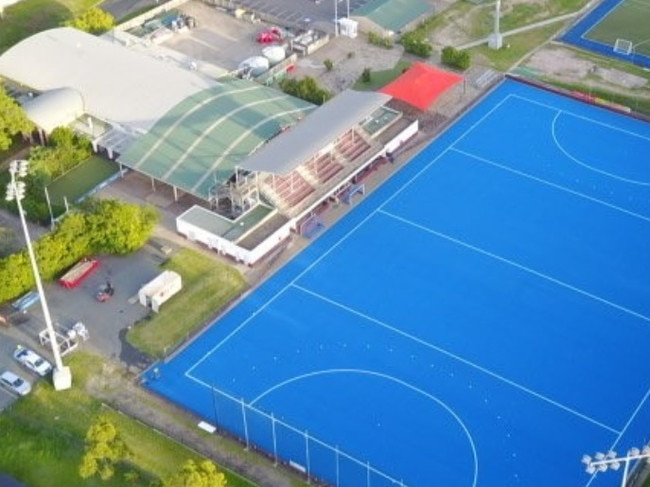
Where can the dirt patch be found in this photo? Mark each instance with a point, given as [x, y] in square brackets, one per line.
[560, 63]
[349, 57]
[566, 65]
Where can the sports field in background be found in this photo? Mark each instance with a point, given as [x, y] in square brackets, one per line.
[627, 20]
[480, 320]
[81, 180]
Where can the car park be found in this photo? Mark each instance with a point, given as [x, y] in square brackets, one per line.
[32, 361]
[15, 383]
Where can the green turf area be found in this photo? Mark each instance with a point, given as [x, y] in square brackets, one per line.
[629, 21]
[80, 180]
[43, 437]
[208, 286]
[379, 79]
[520, 45]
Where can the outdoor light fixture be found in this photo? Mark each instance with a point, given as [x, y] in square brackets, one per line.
[601, 462]
[61, 375]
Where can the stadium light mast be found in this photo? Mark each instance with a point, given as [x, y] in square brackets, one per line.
[336, 18]
[495, 41]
[601, 462]
[61, 375]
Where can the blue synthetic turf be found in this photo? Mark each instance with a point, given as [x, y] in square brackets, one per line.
[482, 319]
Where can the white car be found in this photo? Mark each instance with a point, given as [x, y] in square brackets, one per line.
[15, 383]
[32, 361]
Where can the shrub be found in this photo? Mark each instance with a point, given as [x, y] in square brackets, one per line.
[366, 75]
[329, 64]
[306, 89]
[456, 59]
[381, 41]
[415, 42]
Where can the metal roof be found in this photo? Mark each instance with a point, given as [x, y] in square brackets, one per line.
[393, 15]
[55, 108]
[119, 85]
[198, 143]
[313, 134]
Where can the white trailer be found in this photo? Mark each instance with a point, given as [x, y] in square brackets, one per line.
[153, 294]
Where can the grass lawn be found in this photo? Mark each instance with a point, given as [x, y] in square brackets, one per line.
[520, 45]
[208, 286]
[80, 180]
[379, 79]
[43, 437]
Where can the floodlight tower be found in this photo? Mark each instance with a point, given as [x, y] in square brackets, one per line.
[61, 375]
[495, 41]
[601, 462]
[336, 18]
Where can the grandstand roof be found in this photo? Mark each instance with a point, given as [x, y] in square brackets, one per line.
[115, 82]
[393, 15]
[55, 108]
[315, 132]
[421, 85]
[198, 143]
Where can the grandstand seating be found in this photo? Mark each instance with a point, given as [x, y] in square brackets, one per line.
[290, 189]
[324, 167]
[352, 145]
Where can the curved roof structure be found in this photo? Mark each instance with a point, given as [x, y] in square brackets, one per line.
[316, 132]
[119, 85]
[198, 143]
[55, 108]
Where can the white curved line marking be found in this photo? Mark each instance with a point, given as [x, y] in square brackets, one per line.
[583, 164]
[390, 378]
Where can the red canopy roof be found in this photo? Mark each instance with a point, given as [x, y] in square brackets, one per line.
[421, 85]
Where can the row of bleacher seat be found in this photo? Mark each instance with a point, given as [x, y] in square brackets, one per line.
[352, 145]
[324, 167]
[288, 191]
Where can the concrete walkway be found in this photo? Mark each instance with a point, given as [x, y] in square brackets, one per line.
[519, 30]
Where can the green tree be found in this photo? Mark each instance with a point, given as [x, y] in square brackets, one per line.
[94, 20]
[13, 120]
[329, 64]
[104, 449]
[366, 75]
[415, 42]
[203, 474]
[451, 56]
[119, 228]
[307, 89]
[64, 151]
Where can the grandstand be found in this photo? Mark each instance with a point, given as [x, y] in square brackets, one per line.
[297, 173]
[257, 163]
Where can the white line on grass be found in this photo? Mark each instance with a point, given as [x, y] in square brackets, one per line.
[583, 164]
[583, 117]
[553, 185]
[455, 357]
[389, 378]
[519, 266]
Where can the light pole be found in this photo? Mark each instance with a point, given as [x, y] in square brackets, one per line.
[61, 375]
[601, 462]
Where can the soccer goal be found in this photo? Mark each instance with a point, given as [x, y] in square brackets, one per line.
[623, 46]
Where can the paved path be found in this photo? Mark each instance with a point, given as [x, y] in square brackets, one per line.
[519, 30]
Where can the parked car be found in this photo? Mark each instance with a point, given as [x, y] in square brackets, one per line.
[32, 361]
[15, 383]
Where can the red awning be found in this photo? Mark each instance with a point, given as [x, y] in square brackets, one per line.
[421, 85]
